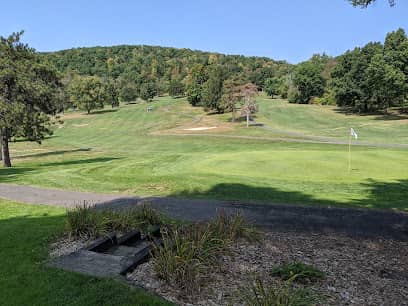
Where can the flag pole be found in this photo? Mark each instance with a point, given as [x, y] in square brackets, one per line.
[349, 157]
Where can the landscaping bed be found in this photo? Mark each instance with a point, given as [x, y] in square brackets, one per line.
[357, 272]
[227, 262]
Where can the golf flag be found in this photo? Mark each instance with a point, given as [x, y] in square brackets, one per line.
[353, 133]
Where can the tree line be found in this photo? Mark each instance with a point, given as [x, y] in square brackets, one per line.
[367, 79]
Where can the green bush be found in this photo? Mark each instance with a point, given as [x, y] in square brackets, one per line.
[297, 271]
[285, 295]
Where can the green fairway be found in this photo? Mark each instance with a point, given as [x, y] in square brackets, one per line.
[25, 232]
[127, 151]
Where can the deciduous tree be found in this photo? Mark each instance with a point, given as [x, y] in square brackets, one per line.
[87, 93]
[249, 92]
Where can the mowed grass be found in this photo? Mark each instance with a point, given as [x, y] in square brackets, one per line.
[331, 122]
[120, 151]
[25, 232]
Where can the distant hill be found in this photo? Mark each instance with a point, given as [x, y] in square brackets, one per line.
[159, 64]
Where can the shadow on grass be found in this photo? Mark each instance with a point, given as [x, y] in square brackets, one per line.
[392, 195]
[81, 161]
[322, 216]
[12, 174]
[103, 111]
[52, 153]
[381, 195]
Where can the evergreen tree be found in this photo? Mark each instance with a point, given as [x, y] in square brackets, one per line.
[30, 91]
[212, 89]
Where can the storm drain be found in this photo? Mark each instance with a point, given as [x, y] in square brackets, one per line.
[110, 256]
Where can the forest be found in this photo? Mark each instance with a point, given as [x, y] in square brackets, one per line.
[363, 80]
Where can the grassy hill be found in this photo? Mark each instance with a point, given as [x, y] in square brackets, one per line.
[133, 151]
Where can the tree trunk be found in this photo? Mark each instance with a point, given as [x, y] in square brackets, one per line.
[1, 149]
[233, 114]
[247, 115]
[6, 152]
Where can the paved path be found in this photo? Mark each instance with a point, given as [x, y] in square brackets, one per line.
[354, 222]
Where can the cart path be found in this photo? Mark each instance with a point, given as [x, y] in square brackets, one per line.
[368, 223]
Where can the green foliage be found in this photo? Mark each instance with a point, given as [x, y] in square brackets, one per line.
[30, 93]
[298, 272]
[273, 86]
[87, 93]
[365, 3]
[176, 88]
[212, 89]
[308, 80]
[148, 91]
[374, 77]
[112, 93]
[197, 78]
[189, 251]
[285, 295]
[88, 222]
[141, 64]
[128, 92]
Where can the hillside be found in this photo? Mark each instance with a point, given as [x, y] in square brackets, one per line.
[158, 63]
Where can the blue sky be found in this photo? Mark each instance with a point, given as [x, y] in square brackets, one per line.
[290, 30]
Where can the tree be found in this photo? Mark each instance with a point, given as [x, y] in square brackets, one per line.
[87, 93]
[112, 93]
[249, 92]
[197, 78]
[309, 81]
[30, 92]
[384, 84]
[212, 89]
[148, 91]
[272, 86]
[128, 92]
[176, 88]
[366, 3]
[231, 95]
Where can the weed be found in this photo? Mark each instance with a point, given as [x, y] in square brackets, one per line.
[298, 271]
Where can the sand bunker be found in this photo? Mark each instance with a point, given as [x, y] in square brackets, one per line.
[201, 128]
[80, 125]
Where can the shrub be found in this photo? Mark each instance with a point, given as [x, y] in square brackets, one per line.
[285, 295]
[298, 271]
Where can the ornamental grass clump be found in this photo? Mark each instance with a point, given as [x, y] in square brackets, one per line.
[87, 222]
[259, 294]
[190, 251]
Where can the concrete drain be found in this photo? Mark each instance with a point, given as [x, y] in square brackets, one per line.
[110, 256]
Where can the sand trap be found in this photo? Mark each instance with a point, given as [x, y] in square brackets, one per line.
[80, 125]
[201, 128]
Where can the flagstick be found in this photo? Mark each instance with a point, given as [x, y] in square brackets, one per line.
[349, 163]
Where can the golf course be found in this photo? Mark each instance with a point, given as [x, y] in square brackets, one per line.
[291, 154]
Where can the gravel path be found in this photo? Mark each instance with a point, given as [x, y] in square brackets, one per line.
[352, 222]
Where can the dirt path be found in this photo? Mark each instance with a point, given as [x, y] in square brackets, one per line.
[353, 222]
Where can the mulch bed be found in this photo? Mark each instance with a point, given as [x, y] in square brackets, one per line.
[358, 271]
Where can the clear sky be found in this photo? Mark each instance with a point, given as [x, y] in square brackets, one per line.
[290, 30]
